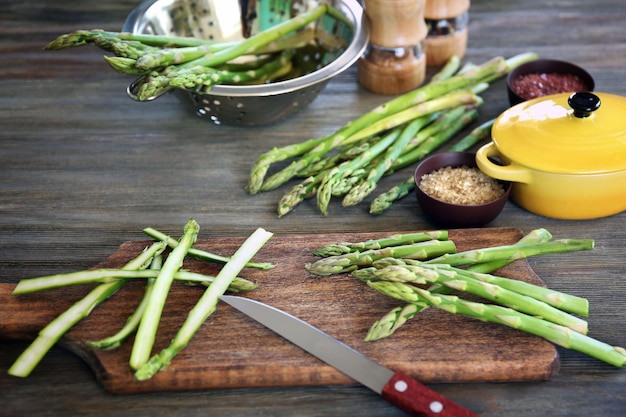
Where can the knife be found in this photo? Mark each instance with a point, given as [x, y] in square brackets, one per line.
[396, 387]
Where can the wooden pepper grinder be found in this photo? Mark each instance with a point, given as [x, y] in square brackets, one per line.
[394, 61]
[447, 22]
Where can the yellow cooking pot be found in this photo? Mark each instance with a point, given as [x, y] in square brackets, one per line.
[565, 154]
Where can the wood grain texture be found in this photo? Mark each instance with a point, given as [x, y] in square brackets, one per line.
[232, 351]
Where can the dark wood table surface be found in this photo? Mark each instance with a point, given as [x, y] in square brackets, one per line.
[83, 168]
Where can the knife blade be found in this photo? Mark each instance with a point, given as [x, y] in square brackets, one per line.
[394, 386]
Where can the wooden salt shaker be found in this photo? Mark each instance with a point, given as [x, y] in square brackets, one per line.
[447, 22]
[394, 61]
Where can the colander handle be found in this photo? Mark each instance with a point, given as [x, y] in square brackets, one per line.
[133, 87]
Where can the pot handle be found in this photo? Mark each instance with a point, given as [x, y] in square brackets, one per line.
[511, 172]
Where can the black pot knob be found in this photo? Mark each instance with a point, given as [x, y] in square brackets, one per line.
[583, 103]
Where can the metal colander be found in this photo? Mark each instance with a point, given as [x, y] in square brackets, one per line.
[228, 20]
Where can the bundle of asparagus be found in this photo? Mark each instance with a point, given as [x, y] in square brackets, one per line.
[166, 62]
[351, 161]
[159, 274]
[423, 281]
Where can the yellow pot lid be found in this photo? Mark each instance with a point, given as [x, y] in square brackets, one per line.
[582, 135]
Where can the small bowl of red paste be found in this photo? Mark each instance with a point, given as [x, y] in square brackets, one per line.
[545, 77]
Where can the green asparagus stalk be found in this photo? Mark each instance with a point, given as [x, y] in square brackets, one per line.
[443, 102]
[562, 301]
[105, 275]
[172, 56]
[206, 305]
[317, 148]
[308, 187]
[157, 82]
[350, 261]
[513, 252]
[425, 145]
[393, 320]
[432, 143]
[385, 200]
[334, 249]
[419, 110]
[450, 68]
[200, 254]
[534, 236]
[84, 37]
[123, 65]
[489, 291]
[451, 119]
[114, 341]
[261, 166]
[344, 185]
[554, 333]
[359, 192]
[328, 182]
[343, 154]
[150, 321]
[441, 123]
[123, 49]
[299, 193]
[477, 135]
[203, 78]
[50, 334]
[175, 56]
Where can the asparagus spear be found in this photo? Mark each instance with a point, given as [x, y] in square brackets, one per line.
[346, 136]
[334, 175]
[206, 305]
[478, 134]
[434, 142]
[203, 78]
[200, 254]
[309, 186]
[150, 320]
[299, 193]
[114, 341]
[513, 252]
[539, 235]
[158, 82]
[392, 321]
[444, 102]
[450, 68]
[554, 333]
[343, 154]
[50, 334]
[489, 291]
[317, 148]
[358, 193]
[405, 143]
[84, 37]
[328, 182]
[563, 301]
[105, 275]
[385, 200]
[340, 248]
[350, 261]
[425, 146]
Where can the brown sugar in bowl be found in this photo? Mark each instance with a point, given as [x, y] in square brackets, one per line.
[457, 211]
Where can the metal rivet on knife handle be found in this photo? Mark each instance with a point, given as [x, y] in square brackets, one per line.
[419, 400]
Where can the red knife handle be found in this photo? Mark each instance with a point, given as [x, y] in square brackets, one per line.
[418, 400]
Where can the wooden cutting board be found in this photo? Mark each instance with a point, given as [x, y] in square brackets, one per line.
[233, 351]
